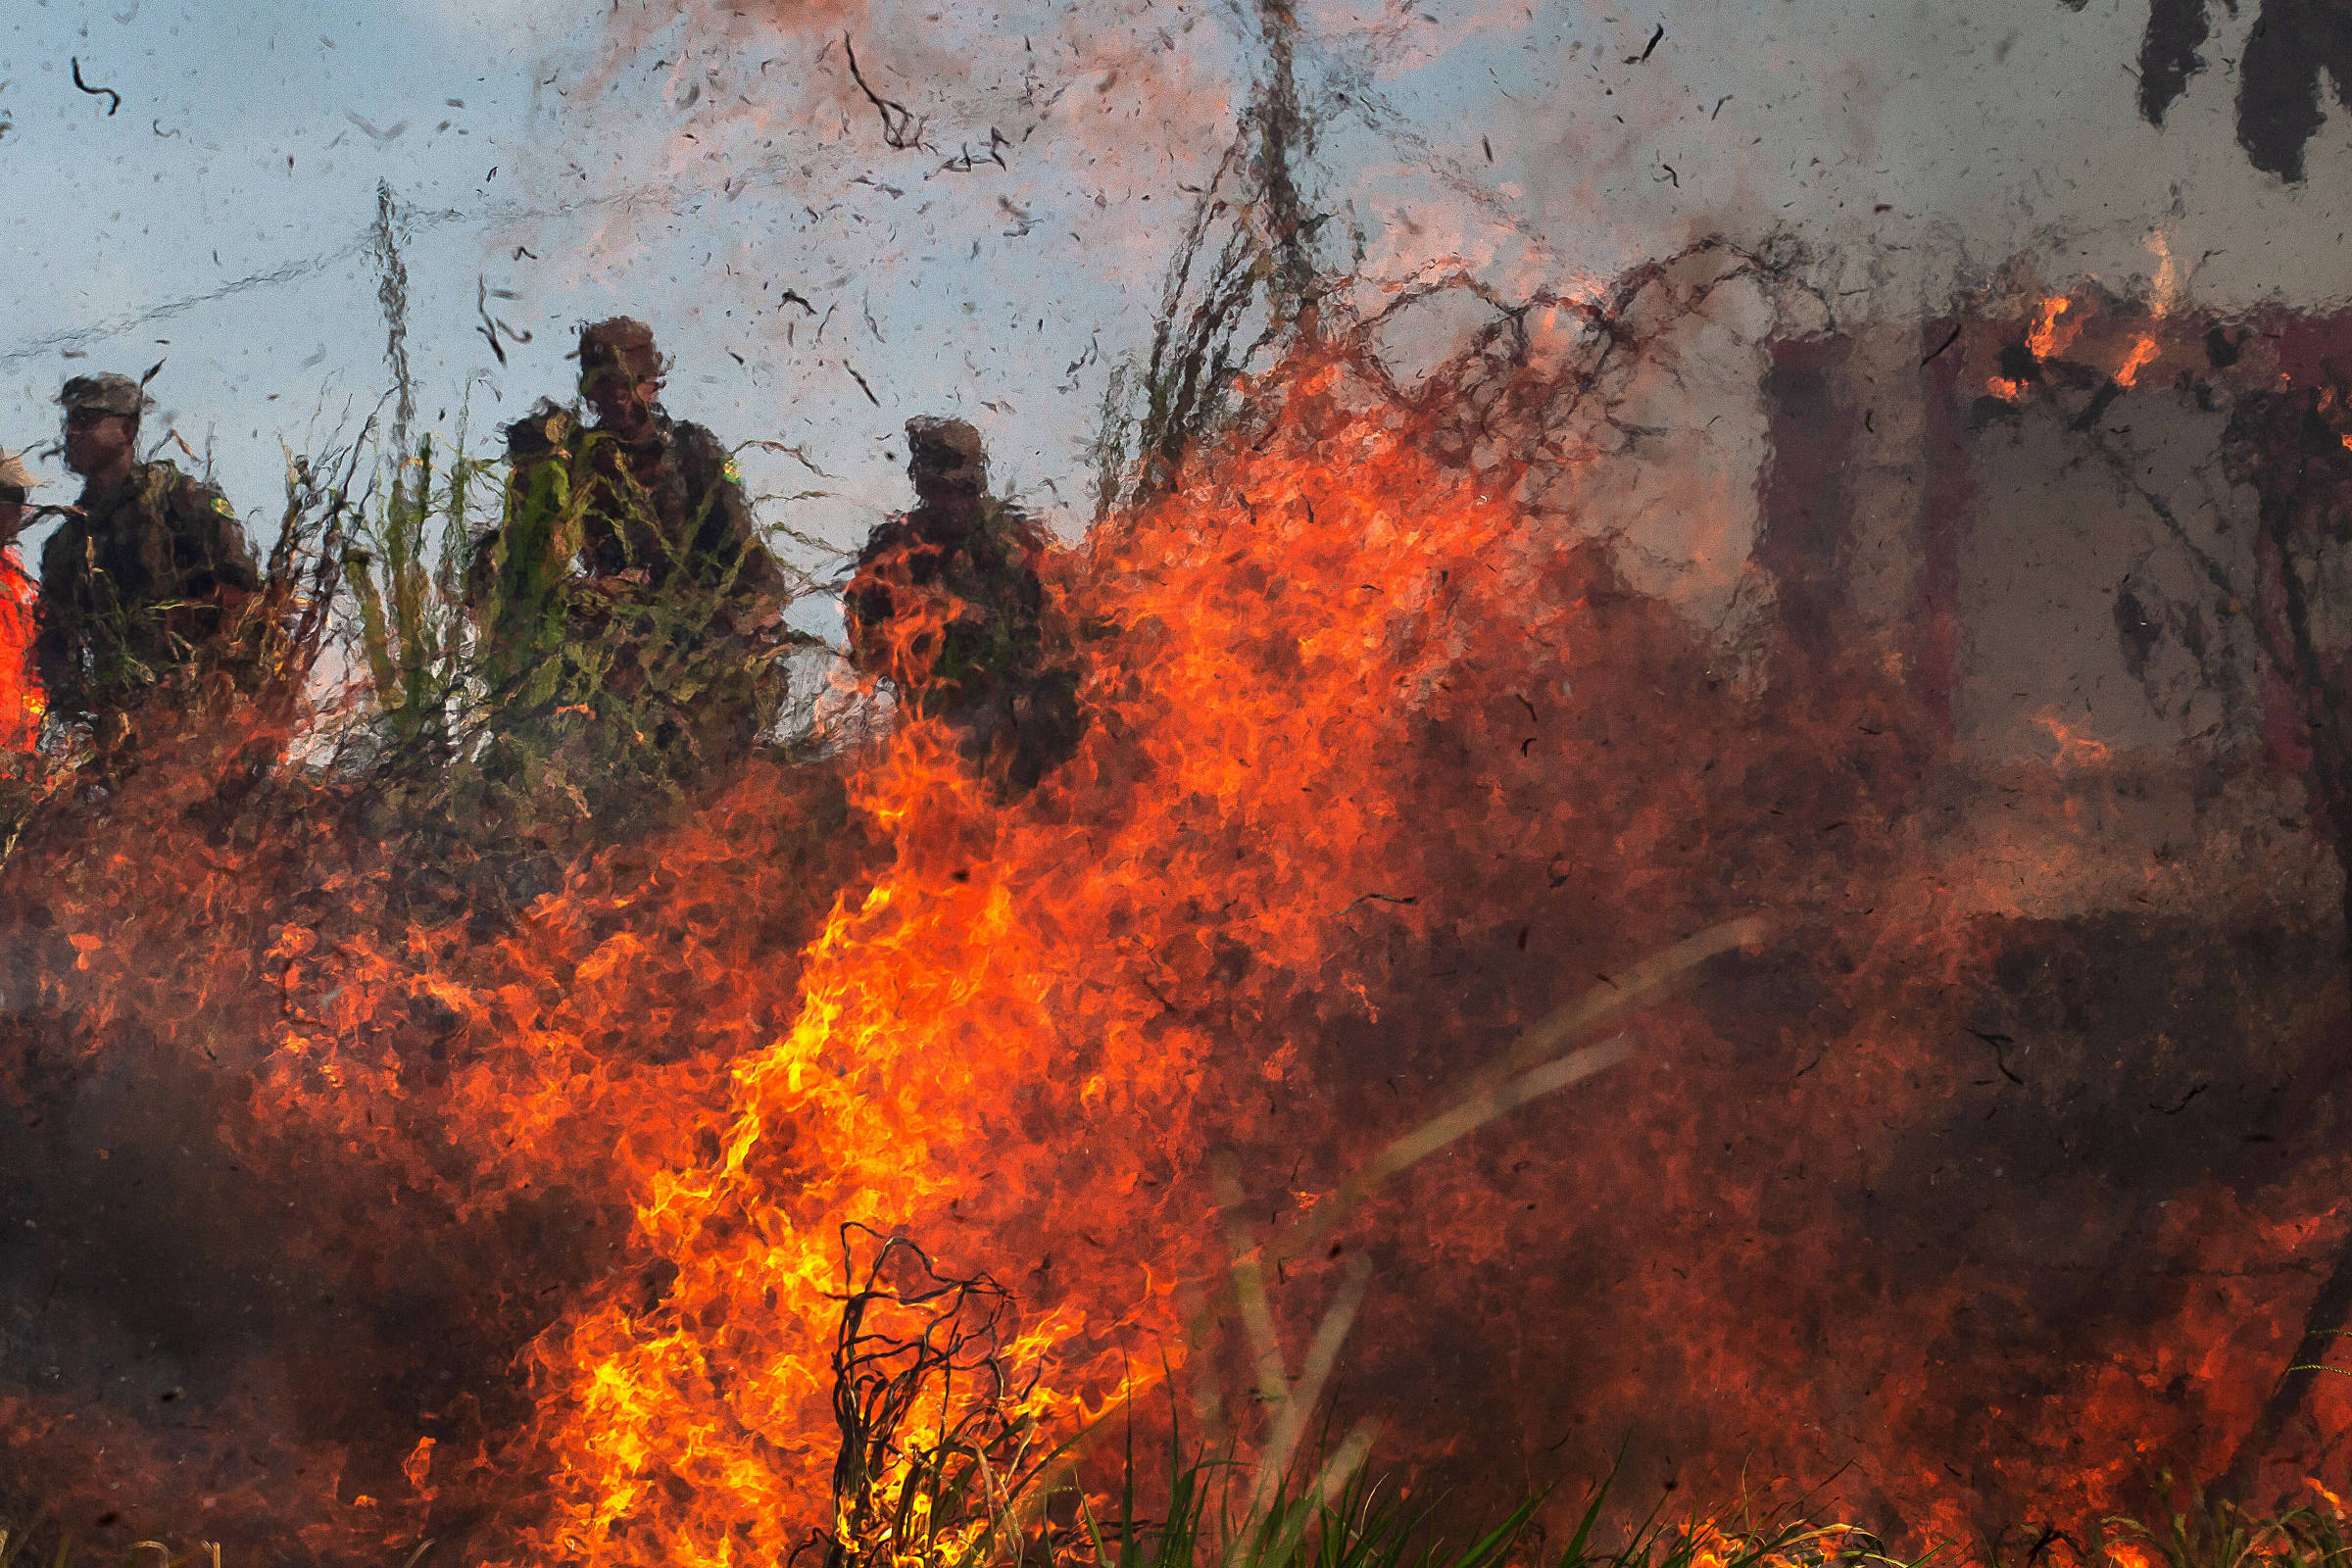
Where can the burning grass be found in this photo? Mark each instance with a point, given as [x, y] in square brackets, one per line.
[463, 1126]
[1343, 1514]
[1333, 1519]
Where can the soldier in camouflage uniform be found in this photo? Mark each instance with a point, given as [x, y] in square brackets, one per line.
[946, 605]
[629, 557]
[142, 582]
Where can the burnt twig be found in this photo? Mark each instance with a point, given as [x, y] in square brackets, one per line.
[96, 92]
[912, 1337]
[901, 128]
[965, 160]
[490, 326]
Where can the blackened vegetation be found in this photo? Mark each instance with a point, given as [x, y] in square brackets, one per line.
[934, 1443]
[2293, 42]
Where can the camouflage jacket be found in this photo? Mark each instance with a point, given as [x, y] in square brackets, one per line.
[649, 517]
[136, 588]
[945, 604]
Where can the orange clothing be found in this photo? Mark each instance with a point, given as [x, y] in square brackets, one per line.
[22, 702]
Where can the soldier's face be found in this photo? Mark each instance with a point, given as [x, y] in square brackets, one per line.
[621, 393]
[942, 476]
[96, 440]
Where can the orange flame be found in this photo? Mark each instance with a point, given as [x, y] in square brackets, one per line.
[418, 1467]
[2143, 355]
[2045, 339]
[2076, 750]
[21, 700]
[1384, 763]
[946, 990]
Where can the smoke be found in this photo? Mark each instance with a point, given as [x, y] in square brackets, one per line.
[1434, 678]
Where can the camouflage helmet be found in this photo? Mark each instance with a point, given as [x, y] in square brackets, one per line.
[108, 393]
[607, 341]
[946, 451]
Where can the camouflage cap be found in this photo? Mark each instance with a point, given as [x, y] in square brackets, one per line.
[14, 476]
[604, 342]
[947, 449]
[108, 393]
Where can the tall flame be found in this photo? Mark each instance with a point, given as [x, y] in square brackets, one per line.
[1384, 761]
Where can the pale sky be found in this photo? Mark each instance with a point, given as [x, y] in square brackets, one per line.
[689, 163]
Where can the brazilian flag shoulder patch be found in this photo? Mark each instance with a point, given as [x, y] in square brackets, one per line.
[728, 471]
